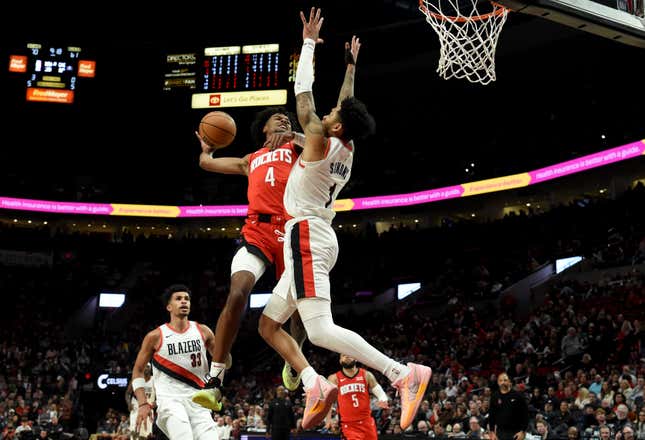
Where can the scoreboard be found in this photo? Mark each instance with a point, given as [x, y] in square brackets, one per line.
[231, 76]
[52, 71]
[241, 68]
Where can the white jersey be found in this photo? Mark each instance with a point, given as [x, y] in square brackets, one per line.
[313, 187]
[179, 363]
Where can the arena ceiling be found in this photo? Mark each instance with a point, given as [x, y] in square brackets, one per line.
[559, 91]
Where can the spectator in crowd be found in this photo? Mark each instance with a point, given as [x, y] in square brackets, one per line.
[475, 431]
[457, 431]
[639, 426]
[571, 346]
[222, 428]
[542, 430]
[423, 428]
[625, 433]
[621, 417]
[573, 433]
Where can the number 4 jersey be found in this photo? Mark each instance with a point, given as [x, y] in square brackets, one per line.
[179, 363]
[268, 174]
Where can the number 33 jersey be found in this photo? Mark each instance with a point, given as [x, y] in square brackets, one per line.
[179, 363]
[313, 187]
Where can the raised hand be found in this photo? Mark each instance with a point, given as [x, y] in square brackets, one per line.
[351, 50]
[311, 27]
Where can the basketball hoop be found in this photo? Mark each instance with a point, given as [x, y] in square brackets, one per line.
[468, 37]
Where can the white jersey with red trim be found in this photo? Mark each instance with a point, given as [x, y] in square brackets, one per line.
[179, 363]
[313, 187]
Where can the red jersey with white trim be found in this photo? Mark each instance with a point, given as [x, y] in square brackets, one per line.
[353, 397]
[313, 186]
[179, 363]
[268, 174]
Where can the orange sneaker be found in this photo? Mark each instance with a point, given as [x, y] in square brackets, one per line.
[411, 388]
[319, 399]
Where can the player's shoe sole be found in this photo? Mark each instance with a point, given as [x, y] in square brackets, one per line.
[208, 398]
[290, 381]
[319, 399]
[412, 388]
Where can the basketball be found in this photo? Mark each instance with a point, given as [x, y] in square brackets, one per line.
[217, 129]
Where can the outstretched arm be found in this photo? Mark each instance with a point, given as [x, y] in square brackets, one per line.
[376, 389]
[148, 346]
[314, 148]
[223, 165]
[351, 55]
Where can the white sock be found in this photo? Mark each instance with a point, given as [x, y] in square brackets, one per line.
[308, 376]
[396, 370]
[217, 370]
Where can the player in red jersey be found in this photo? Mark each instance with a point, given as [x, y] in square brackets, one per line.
[354, 387]
[267, 170]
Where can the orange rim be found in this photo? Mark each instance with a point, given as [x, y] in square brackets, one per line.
[499, 10]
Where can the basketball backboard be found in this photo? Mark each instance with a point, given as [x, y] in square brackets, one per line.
[619, 20]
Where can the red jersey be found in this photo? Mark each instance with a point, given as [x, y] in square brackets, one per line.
[268, 174]
[353, 397]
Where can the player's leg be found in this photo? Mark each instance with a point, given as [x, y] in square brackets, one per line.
[202, 423]
[314, 250]
[275, 314]
[173, 420]
[280, 308]
[246, 268]
[290, 377]
[411, 380]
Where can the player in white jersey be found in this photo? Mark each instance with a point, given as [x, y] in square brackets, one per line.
[178, 354]
[148, 388]
[311, 247]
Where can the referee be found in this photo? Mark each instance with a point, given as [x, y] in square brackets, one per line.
[509, 412]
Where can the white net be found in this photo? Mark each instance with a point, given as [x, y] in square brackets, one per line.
[468, 37]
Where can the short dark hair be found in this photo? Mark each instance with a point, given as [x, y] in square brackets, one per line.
[357, 122]
[257, 135]
[170, 290]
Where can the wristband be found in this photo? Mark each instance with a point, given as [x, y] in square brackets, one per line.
[138, 382]
[379, 393]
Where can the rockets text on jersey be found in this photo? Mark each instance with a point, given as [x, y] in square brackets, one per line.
[268, 174]
[353, 396]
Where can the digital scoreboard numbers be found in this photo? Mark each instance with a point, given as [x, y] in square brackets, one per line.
[52, 71]
[241, 76]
